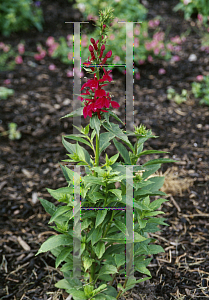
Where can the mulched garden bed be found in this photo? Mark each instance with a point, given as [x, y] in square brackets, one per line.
[30, 164]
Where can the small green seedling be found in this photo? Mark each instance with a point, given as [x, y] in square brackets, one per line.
[172, 95]
[5, 92]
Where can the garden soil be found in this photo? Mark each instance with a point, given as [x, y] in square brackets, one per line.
[30, 165]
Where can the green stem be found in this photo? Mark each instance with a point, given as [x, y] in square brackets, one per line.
[97, 151]
[92, 272]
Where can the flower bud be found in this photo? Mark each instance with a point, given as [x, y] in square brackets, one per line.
[109, 54]
[101, 53]
[104, 26]
[91, 49]
[95, 47]
[102, 47]
[92, 41]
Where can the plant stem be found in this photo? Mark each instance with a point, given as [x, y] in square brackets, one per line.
[92, 272]
[97, 151]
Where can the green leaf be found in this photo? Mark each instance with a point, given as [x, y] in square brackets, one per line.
[99, 289]
[49, 207]
[149, 170]
[75, 113]
[117, 193]
[55, 241]
[115, 116]
[65, 173]
[95, 124]
[108, 269]
[62, 256]
[87, 262]
[156, 183]
[94, 180]
[77, 295]
[105, 277]
[60, 211]
[120, 225]
[104, 140]
[142, 269]
[78, 138]
[61, 193]
[151, 152]
[101, 214]
[115, 129]
[96, 236]
[157, 203]
[155, 249]
[99, 249]
[120, 260]
[123, 151]
[158, 161]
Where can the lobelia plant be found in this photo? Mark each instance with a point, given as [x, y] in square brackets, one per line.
[103, 195]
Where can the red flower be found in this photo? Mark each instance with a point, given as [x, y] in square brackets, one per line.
[92, 41]
[106, 76]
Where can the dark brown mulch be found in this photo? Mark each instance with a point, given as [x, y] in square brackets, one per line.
[30, 164]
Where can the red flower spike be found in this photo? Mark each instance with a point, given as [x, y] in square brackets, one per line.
[97, 41]
[104, 26]
[115, 104]
[95, 47]
[101, 53]
[109, 54]
[91, 49]
[100, 93]
[106, 76]
[92, 41]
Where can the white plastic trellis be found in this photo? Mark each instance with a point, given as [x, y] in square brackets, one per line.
[129, 115]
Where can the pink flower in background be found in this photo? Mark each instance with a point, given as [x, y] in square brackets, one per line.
[70, 73]
[6, 48]
[123, 48]
[175, 58]
[199, 77]
[148, 46]
[21, 48]
[41, 55]
[18, 60]
[116, 58]
[177, 48]
[141, 62]
[136, 42]
[156, 51]
[112, 37]
[39, 48]
[138, 76]
[159, 36]
[176, 39]
[7, 81]
[186, 2]
[153, 23]
[70, 56]
[136, 31]
[50, 41]
[70, 37]
[52, 48]
[170, 47]
[84, 43]
[91, 17]
[161, 71]
[2, 45]
[52, 67]
[163, 53]
[150, 58]
[200, 18]
[145, 34]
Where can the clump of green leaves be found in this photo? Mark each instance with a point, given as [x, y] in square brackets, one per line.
[5, 92]
[190, 7]
[16, 15]
[13, 133]
[178, 98]
[201, 90]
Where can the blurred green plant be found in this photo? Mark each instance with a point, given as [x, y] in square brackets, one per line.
[5, 92]
[201, 90]
[13, 133]
[131, 10]
[178, 98]
[190, 7]
[16, 15]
